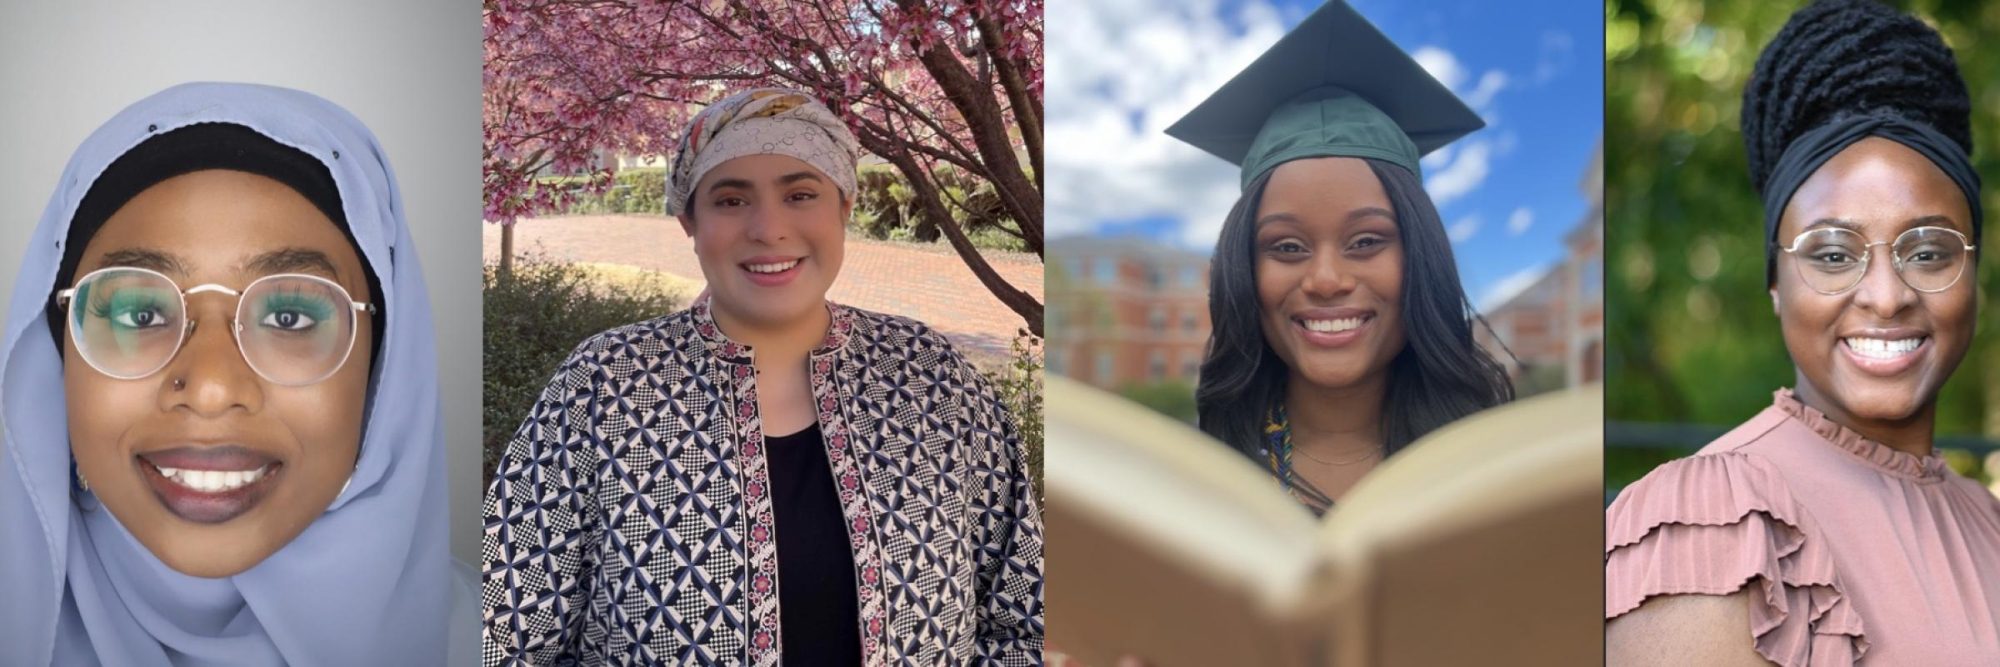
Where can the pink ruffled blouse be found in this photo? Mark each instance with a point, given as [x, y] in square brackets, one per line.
[1850, 549]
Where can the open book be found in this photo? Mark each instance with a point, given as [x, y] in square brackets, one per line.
[1480, 544]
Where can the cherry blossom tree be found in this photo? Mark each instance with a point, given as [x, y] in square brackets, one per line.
[945, 91]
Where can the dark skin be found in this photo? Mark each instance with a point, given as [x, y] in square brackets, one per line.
[228, 228]
[1881, 188]
[1878, 188]
[1329, 252]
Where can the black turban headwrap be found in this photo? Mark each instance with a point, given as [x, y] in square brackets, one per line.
[1841, 71]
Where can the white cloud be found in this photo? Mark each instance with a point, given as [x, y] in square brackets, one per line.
[1121, 71]
[1464, 174]
[1464, 229]
[1442, 65]
[1509, 287]
[1438, 158]
[1445, 67]
[1456, 173]
[1554, 55]
[1490, 84]
[1520, 221]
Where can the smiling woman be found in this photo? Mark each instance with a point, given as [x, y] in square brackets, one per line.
[1340, 330]
[1827, 529]
[772, 477]
[184, 453]
[220, 397]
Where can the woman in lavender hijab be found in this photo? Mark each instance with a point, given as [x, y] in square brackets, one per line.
[220, 399]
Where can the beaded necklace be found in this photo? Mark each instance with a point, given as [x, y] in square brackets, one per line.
[1278, 457]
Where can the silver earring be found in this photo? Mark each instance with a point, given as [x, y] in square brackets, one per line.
[81, 482]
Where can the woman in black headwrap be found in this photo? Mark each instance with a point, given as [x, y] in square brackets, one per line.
[1827, 529]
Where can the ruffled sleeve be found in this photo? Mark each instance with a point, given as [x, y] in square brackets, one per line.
[1718, 523]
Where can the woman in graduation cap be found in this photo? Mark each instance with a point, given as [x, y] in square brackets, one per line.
[1827, 530]
[1341, 332]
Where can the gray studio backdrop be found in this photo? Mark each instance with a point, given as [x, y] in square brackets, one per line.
[410, 69]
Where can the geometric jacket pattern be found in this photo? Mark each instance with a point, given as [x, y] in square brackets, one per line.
[629, 522]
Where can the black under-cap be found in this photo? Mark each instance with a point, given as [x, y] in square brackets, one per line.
[186, 150]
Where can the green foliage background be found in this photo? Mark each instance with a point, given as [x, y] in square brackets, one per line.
[533, 319]
[885, 209]
[1692, 338]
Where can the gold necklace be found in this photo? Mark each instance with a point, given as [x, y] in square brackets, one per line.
[1371, 453]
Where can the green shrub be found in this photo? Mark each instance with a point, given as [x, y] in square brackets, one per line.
[1173, 398]
[885, 209]
[635, 190]
[1020, 387]
[1540, 378]
[533, 319]
[996, 239]
[883, 203]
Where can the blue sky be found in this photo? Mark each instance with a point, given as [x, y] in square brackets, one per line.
[1120, 71]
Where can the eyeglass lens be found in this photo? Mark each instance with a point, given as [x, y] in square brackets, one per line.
[292, 329]
[1929, 259]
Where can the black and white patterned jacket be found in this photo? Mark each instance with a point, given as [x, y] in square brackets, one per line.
[630, 520]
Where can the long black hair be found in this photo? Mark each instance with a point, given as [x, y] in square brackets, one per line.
[1440, 375]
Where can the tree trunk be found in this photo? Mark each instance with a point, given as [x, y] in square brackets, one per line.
[506, 250]
[932, 204]
[975, 102]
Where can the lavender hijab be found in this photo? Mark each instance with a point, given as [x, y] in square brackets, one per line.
[370, 582]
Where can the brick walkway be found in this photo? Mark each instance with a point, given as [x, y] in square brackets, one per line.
[928, 283]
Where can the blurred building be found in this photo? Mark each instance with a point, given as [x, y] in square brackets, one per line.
[1125, 311]
[1555, 326]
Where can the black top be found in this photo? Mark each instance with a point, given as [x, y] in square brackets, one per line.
[819, 614]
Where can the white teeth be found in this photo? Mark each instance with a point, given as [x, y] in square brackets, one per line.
[213, 481]
[1333, 326]
[1876, 348]
[772, 268]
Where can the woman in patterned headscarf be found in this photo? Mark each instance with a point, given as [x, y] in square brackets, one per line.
[766, 477]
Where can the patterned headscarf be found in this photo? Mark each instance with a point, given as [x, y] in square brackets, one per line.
[762, 121]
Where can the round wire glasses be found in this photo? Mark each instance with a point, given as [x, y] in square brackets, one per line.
[1832, 260]
[292, 329]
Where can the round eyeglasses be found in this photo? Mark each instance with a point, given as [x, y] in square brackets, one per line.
[1832, 260]
[292, 329]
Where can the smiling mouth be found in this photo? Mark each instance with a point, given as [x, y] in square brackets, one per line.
[1879, 348]
[776, 267]
[214, 481]
[210, 484]
[1333, 325]
[1319, 329]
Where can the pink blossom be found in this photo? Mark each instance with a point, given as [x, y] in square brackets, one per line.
[569, 86]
